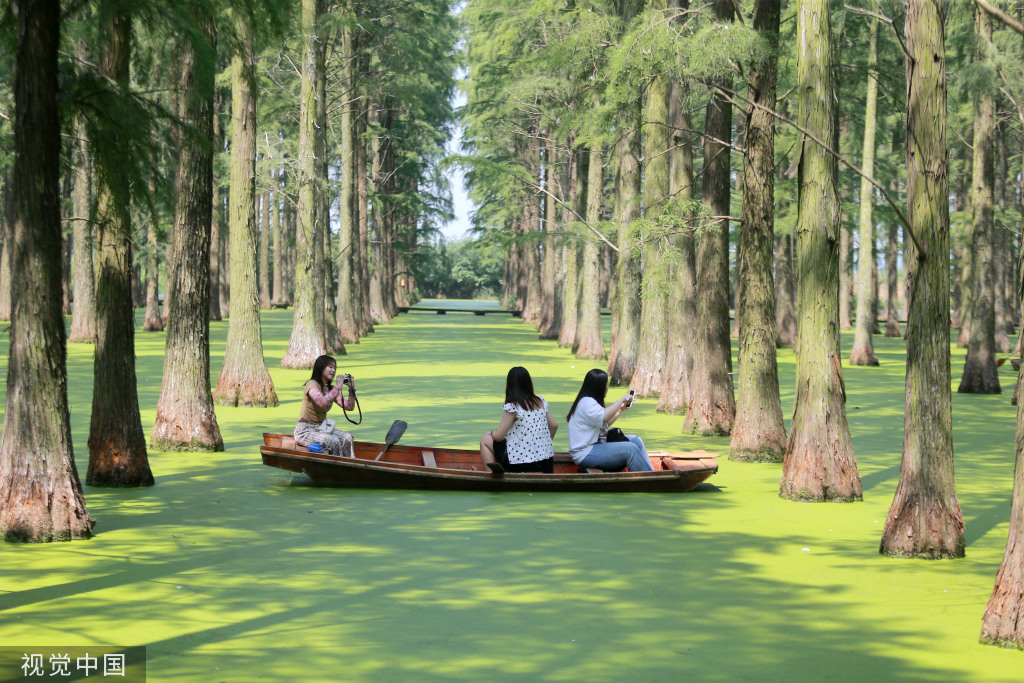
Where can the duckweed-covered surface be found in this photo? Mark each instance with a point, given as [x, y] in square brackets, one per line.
[229, 571]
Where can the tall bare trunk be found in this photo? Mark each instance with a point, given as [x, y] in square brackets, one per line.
[590, 345]
[925, 519]
[83, 318]
[819, 464]
[40, 494]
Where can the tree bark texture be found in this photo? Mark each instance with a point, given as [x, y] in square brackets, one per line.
[571, 253]
[819, 464]
[981, 376]
[759, 433]
[863, 350]
[326, 289]
[785, 293]
[622, 357]
[280, 297]
[531, 243]
[185, 419]
[682, 296]
[590, 345]
[845, 275]
[6, 231]
[40, 494]
[712, 407]
[264, 242]
[925, 519]
[551, 284]
[306, 343]
[244, 379]
[653, 346]
[348, 232]
[892, 311]
[216, 224]
[117, 444]
[83, 317]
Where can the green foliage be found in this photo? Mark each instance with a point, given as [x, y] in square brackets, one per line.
[463, 269]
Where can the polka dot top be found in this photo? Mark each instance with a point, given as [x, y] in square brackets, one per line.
[529, 439]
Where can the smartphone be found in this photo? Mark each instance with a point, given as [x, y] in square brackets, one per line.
[632, 397]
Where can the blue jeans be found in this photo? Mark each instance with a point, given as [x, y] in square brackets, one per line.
[613, 455]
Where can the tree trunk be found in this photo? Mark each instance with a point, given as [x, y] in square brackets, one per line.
[622, 358]
[712, 406]
[981, 376]
[306, 343]
[924, 519]
[366, 323]
[653, 345]
[8, 248]
[531, 243]
[348, 233]
[819, 464]
[571, 255]
[40, 494]
[551, 302]
[152, 320]
[216, 222]
[863, 351]
[117, 444]
[785, 291]
[332, 340]
[83, 317]
[759, 433]
[263, 224]
[682, 298]
[590, 345]
[892, 311]
[244, 379]
[845, 275]
[185, 419]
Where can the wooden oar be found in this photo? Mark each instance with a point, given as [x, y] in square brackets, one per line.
[398, 428]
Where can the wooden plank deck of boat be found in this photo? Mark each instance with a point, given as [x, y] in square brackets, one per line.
[433, 468]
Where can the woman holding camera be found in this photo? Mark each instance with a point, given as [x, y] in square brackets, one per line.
[589, 419]
[522, 441]
[318, 395]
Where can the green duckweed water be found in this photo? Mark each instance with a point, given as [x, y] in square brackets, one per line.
[228, 571]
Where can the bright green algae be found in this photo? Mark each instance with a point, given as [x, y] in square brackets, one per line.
[227, 571]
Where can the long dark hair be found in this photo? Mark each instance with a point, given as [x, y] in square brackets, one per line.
[519, 389]
[595, 385]
[318, 369]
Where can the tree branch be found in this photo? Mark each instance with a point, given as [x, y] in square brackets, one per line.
[1000, 15]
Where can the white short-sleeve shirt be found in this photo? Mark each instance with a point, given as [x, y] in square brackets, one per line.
[529, 439]
[585, 427]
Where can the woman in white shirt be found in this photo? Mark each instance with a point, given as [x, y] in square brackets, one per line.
[522, 441]
[589, 419]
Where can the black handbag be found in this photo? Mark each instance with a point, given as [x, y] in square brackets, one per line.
[615, 434]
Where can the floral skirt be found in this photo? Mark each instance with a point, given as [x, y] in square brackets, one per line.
[335, 442]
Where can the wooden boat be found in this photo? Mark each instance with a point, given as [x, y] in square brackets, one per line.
[413, 467]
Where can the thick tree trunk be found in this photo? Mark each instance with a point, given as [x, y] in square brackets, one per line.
[117, 444]
[759, 433]
[863, 351]
[819, 464]
[83, 317]
[712, 406]
[40, 494]
[185, 419]
[981, 376]
[892, 311]
[924, 519]
[682, 298]
[590, 345]
[244, 379]
[307, 343]
[622, 358]
[216, 222]
[653, 345]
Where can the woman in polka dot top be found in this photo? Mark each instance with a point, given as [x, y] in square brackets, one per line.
[522, 441]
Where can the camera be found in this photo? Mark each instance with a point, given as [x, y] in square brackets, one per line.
[346, 379]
